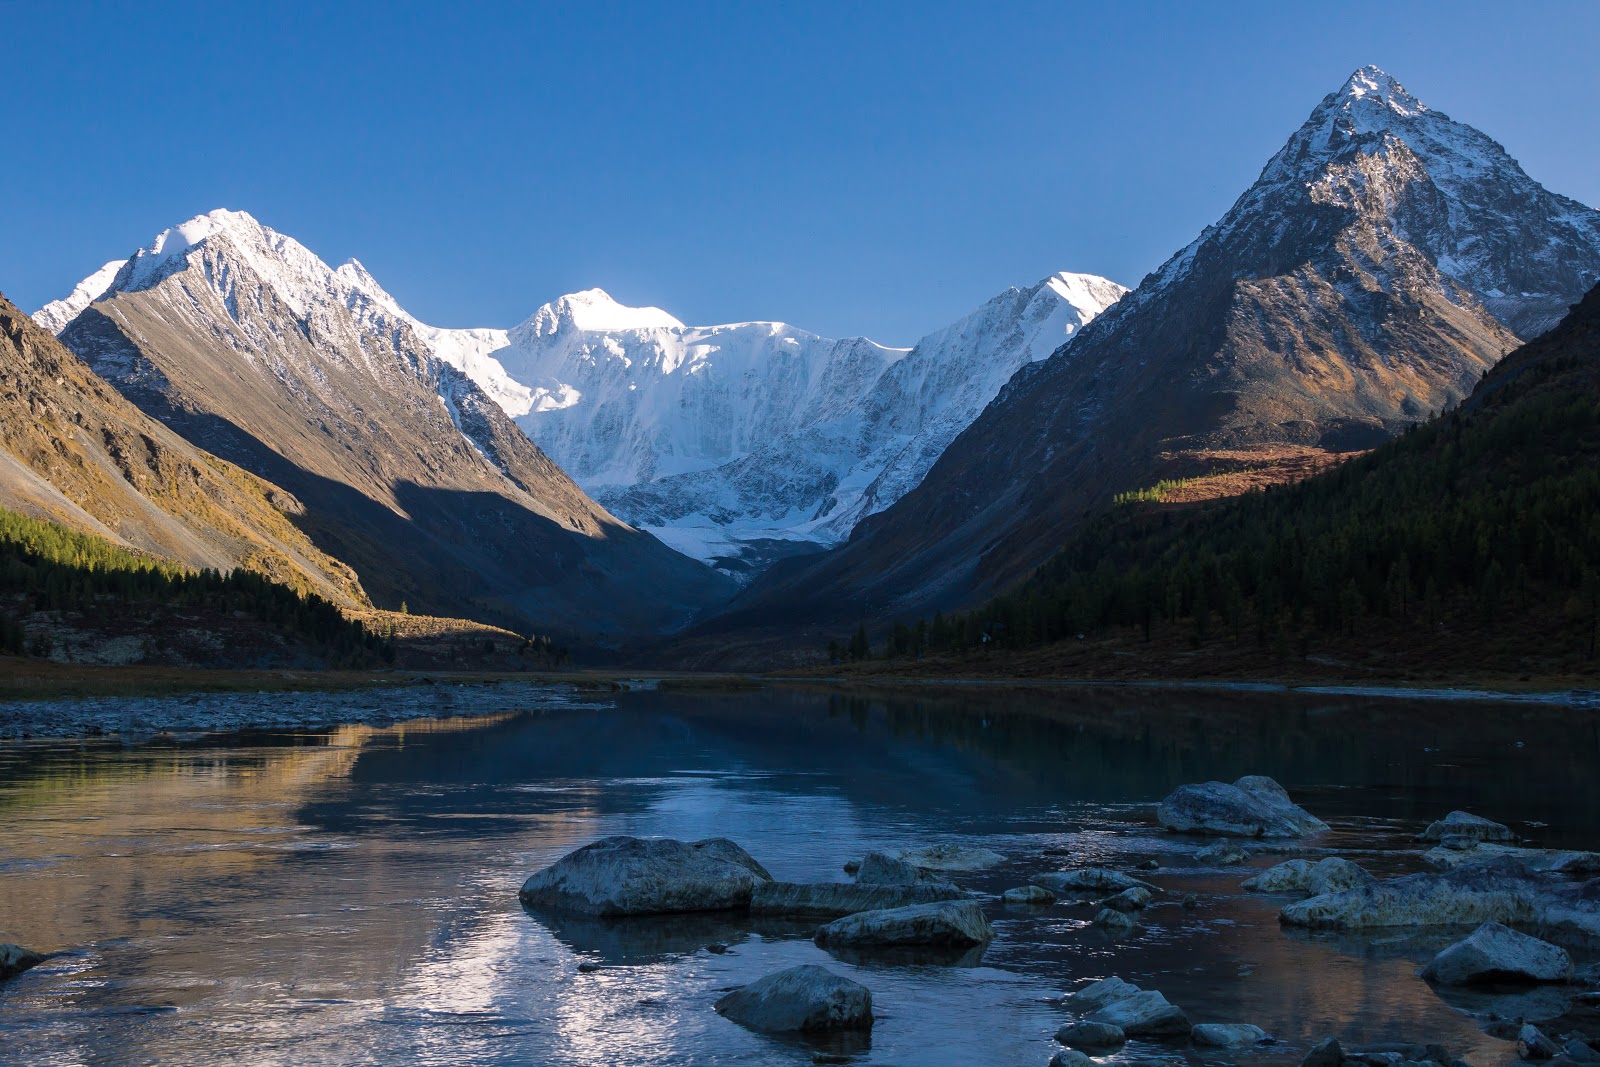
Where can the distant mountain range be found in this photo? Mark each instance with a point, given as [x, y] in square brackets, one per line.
[1385, 259]
[248, 345]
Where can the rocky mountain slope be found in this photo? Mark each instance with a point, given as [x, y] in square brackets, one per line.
[246, 343]
[1386, 257]
[745, 442]
[1465, 547]
[74, 451]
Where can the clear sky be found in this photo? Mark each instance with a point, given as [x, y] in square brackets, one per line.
[868, 168]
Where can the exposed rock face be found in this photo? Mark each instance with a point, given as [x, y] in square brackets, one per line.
[947, 924]
[1254, 806]
[1091, 1036]
[1468, 827]
[637, 876]
[1138, 1012]
[835, 899]
[1313, 879]
[800, 998]
[1029, 895]
[1090, 879]
[1227, 1035]
[246, 343]
[1495, 953]
[75, 451]
[1369, 277]
[879, 868]
[14, 959]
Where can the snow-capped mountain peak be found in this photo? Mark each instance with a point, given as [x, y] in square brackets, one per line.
[1374, 85]
[594, 310]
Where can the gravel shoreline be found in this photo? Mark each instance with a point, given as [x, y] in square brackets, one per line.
[232, 712]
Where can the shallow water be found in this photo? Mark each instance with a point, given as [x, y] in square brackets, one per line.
[349, 896]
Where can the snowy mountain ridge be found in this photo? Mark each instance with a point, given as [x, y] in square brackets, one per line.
[733, 443]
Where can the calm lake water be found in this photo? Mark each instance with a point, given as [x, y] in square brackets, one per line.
[350, 896]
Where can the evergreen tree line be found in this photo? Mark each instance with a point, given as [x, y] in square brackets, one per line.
[1477, 517]
[48, 567]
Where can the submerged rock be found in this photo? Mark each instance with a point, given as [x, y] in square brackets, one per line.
[1133, 898]
[1465, 827]
[1325, 1053]
[1091, 1036]
[948, 857]
[1138, 1012]
[834, 899]
[1070, 1057]
[1114, 921]
[14, 959]
[1532, 1044]
[1494, 953]
[647, 876]
[952, 923]
[1222, 854]
[1227, 1035]
[880, 868]
[1254, 806]
[801, 998]
[1095, 879]
[1503, 893]
[1302, 876]
[1028, 895]
[1557, 861]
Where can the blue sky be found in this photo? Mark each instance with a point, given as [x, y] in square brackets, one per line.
[871, 168]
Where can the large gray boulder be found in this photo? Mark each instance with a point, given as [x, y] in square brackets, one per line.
[880, 868]
[801, 998]
[647, 876]
[1464, 827]
[1254, 806]
[1090, 879]
[1495, 953]
[950, 923]
[832, 900]
[1306, 878]
[1227, 1035]
[1467, 896]
[1138, 1012]
[14, 959]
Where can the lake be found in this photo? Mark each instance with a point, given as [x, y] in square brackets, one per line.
[349, 895]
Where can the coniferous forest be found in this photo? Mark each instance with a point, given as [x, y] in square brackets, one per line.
[53, 579]
[1477, 527]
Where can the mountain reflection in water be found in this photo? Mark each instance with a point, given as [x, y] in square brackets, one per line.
[350, 896]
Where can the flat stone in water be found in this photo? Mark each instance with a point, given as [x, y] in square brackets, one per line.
[1227, 1035]
[951, 923]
